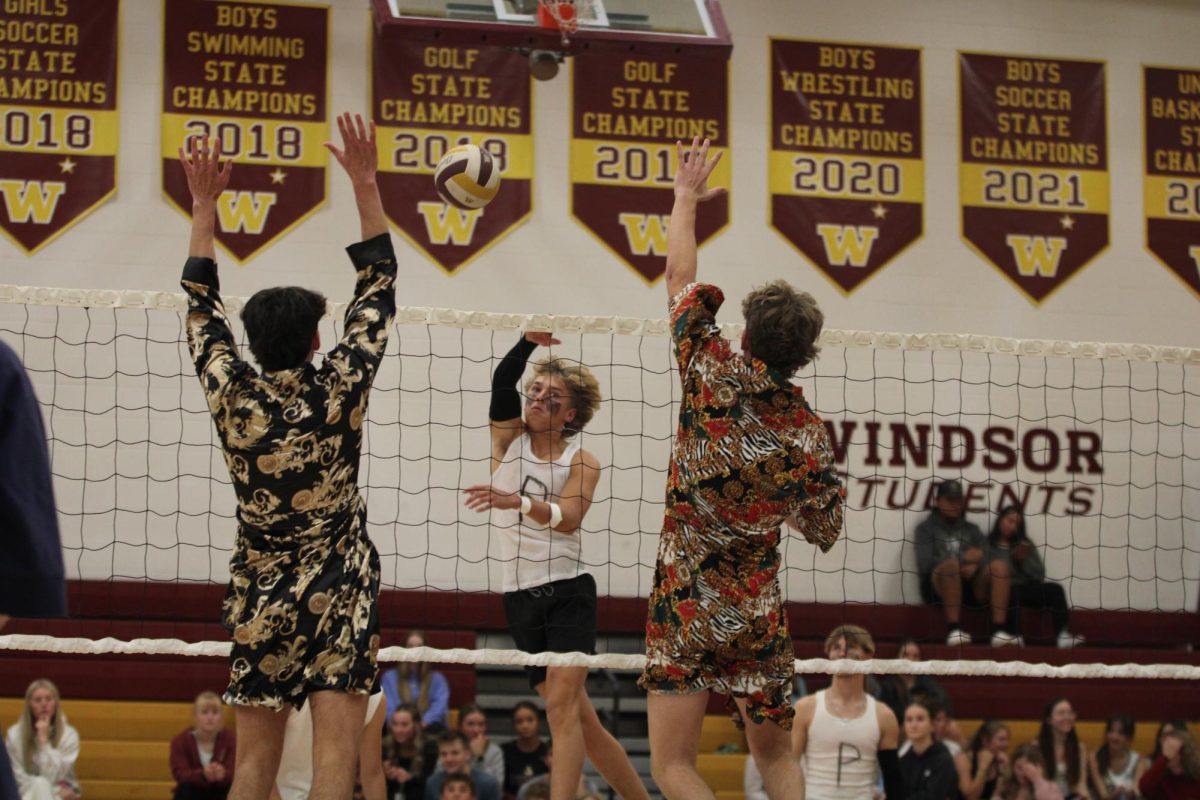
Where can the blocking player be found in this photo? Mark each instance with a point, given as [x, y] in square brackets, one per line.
[541, 489]
[304, 577]
[749, 454]
[842, 732]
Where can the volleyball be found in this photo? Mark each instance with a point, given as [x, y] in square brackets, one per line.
[467, 177]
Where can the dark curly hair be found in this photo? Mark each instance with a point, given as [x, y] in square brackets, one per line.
[782, 326]
[280, 325]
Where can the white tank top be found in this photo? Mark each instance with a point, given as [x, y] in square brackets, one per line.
[840, 755]
[296, 762]
[532, 554]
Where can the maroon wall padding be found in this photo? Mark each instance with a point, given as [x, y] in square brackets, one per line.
[191, 612]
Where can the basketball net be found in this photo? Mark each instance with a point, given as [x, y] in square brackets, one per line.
[561, 15]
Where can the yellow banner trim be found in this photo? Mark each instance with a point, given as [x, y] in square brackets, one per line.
[846, 177]
[37, 133]
[651, 165]
[416, 151]
[1034, 188]
[1172, 197]
[272, 142]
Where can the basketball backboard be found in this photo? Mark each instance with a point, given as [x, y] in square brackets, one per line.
[689, 27]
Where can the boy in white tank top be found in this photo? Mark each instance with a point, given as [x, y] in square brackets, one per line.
[541, 488]
[842, 733]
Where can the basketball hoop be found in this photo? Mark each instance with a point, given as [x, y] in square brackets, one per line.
[563, 16]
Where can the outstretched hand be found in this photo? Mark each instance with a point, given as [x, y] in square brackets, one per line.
[691, 176]
[207, 177]
[542, 338]
[485, 496]
[358, 154]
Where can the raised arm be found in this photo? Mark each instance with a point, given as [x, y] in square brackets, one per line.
[210, 340]
[691, 189]
[206, 178]
[369, 316]
[505, 409]
[359, 156]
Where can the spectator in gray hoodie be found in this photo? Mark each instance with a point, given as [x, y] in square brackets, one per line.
[956, 566]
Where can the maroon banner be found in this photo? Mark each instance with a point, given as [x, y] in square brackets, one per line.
[1034, 166]
[1172, 179]
[628, 113]
[58, 106]
[254, 76]
[846, 170]
[427, 99]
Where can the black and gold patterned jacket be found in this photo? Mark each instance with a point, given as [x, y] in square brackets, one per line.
[292, 438]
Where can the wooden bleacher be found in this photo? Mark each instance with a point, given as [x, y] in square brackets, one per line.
[126, 745]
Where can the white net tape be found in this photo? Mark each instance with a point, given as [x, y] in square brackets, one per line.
[618, 661]
[631, 326]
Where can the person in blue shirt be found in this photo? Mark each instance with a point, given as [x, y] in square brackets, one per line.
[419, 685]
[31, 564]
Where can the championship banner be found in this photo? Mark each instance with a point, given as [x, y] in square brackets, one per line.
[1034, 166]
[628, 113]
[1172, 179]
[429, 98]
[847, 179]
[58, 115]
[252, 75]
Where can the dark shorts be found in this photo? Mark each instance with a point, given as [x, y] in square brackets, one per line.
[559, 617]
[968, 593]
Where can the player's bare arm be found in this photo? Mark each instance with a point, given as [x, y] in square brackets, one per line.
[574, 503]
[691, 189]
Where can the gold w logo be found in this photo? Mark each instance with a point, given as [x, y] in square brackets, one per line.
[447, 225]
[647, 233]
[31, 200]
[1194, 252]
[245, 212]
[1036, 255]
[848, 244]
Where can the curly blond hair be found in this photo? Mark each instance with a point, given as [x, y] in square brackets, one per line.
[580, 382]
[782, 326]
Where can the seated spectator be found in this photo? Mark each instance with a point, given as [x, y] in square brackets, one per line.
[1066, 757]
[485, 754]
[1175, 773]
[420, 685]
[1114, 767]
[896, 691]
[926, 767]
[1029, 780]
[1030, 589]
[534, 787]
[1167, 727]
[987, 757]
[524, 756]
[458, 786]
[407, 762]
[202, 757]
[954, 568]
[454, 755]
[43, 747]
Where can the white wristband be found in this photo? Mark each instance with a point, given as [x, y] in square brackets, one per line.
[555, 515]
[526, 505]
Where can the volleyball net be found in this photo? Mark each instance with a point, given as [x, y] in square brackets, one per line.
[1098, 443]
